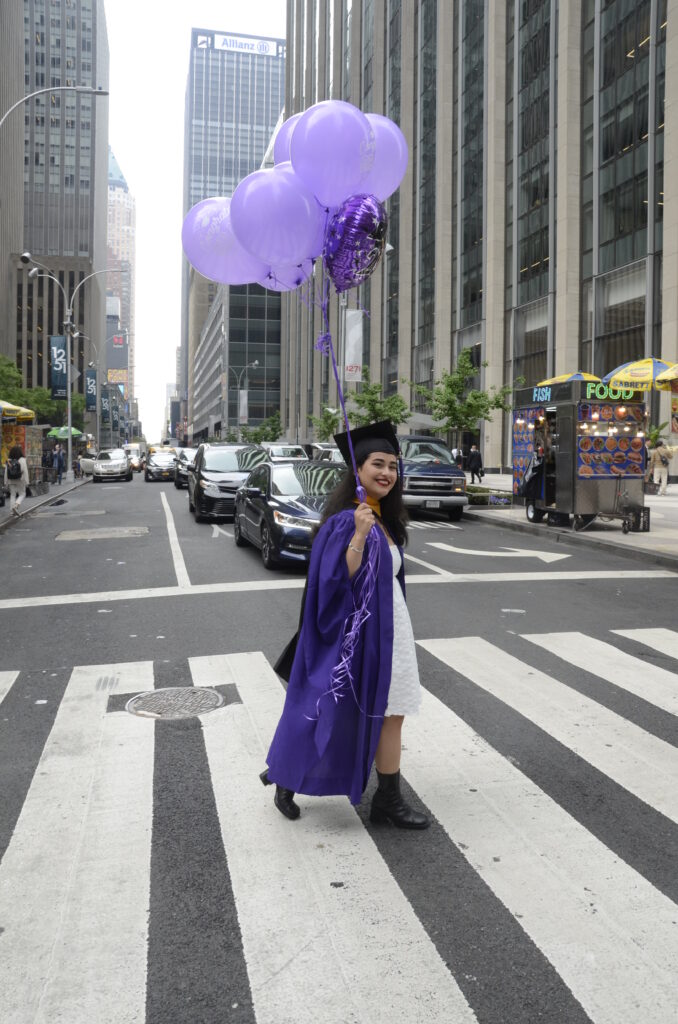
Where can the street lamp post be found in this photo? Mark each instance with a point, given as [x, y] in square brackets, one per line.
[52, 88]
[238, 377]
[68, 326]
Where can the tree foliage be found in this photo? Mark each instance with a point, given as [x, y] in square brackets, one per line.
[327, 424]
[456, 405]
[268, 430]
[373, 407]
[46, 408]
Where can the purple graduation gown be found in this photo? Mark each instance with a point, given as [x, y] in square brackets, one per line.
[324, 747]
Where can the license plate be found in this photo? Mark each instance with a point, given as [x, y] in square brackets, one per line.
[432, 504]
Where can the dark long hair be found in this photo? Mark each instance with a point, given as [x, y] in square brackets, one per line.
[393, 512]
[16, 452]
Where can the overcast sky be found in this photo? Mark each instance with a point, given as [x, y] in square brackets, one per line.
[149, 50]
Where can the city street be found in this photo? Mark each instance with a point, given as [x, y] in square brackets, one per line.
[146, 877]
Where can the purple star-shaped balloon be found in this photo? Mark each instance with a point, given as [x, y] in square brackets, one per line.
[356, 240]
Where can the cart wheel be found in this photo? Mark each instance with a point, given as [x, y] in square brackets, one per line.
[534, 515]
[625, 526]
[581, 522]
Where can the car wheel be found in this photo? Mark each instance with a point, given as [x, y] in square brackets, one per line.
[177, 484]
[533, 514]
[240, 541]
[95, 479]
[455, 513]
[146, 477]
[267, 549]
[197, 513]
[129, 477]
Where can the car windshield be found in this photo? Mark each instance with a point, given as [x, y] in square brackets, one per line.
[233, 460]
[114, 456]
[288, 451]
[308, 479]
[162, 459]
[186, 454]
[427, 451]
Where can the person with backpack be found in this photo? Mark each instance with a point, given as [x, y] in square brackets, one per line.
[16, 477]
[658, 465]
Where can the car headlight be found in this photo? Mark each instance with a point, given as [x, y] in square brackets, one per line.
[209, 487]
[282, 519]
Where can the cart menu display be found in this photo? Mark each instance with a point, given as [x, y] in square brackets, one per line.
[610, 440]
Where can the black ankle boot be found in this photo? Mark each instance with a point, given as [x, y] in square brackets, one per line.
[283, 799]
[388, 805]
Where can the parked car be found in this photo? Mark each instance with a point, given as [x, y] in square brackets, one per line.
[159, 466]
[280, 450]
[431, 478]
[182, 459]
[217, 472]
[330, 453]
[279, 508]
[111, 465]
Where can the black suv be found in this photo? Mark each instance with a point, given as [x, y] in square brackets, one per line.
[215, 475]
[431, 478]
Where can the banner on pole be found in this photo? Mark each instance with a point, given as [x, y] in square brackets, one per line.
[105, 407]
[115, 417]
[243, 408]
[90, 390]
[353, 350]
[57, 344]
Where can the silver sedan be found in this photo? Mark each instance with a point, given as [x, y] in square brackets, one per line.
[111, 465]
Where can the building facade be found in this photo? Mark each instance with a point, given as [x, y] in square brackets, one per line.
[11, 166]
[121, 240]
[234, 97]
[529, 226]
[64, 183]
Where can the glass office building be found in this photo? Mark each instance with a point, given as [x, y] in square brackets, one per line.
[234, 97]
[532, 225]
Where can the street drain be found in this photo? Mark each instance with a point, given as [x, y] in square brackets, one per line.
[175, 702]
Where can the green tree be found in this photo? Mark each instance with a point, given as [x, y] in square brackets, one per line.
[455, 405]
[10, 380]
[373, 407]
[655, 432]
[46, 409]
[268, 430]
[327, 424]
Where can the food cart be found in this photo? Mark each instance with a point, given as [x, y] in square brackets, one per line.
[579, 449]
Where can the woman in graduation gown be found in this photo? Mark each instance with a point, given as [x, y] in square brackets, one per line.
[354, 675]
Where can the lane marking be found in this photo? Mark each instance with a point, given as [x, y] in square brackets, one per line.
[7, 680]
[177, 557]
[219, 530]
[643, 764]
[609, 934]
[103, 533]
[251, 586]
[544, 556]
[321, 955]
[75, 880]
[664, 641]
[656, 685]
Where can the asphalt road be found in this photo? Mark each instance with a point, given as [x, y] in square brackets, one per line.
[146, 877]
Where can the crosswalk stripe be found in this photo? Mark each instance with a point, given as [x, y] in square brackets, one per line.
[7, 680]
[643, 764]
[75, 878]
[339, 925]
[656, 685]
[665, 641]
[606, 930]
[413, 525]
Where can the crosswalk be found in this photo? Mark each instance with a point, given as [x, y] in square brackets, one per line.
[146, 876]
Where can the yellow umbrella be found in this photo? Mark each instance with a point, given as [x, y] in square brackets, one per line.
[640, 374]
[8, 411]
[666, 378]
[565, 378]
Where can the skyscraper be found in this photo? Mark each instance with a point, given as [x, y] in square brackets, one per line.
[121, 257]
[234, 97]
[532, 225]
[11, 166]
[65, 170]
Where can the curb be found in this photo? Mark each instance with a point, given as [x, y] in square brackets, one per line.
[572, 539]
[47, 500]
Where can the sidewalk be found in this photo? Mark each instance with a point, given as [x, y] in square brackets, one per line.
[29, 505]
[659, 546]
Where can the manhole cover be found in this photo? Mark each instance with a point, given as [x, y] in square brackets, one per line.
[175, 702]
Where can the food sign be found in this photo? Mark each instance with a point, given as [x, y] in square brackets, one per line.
[608, 444]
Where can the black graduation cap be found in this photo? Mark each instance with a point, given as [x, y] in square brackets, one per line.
[375, 437]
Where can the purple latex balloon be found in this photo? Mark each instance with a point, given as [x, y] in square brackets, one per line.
[355, 241]
[332, 150]
[281, 144]
[275, 216]
[212, 248]
[390, 158]
[286, 279]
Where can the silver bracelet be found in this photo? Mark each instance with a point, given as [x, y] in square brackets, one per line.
[358, 551]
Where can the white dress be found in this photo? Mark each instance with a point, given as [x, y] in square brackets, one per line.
[404, 695]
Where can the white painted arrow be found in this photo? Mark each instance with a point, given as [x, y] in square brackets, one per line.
[544, 556]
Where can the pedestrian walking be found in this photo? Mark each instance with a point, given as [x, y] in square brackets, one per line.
[658, 465]
[475, 464]
[58, 462]
[354, 676]
[16, 477]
